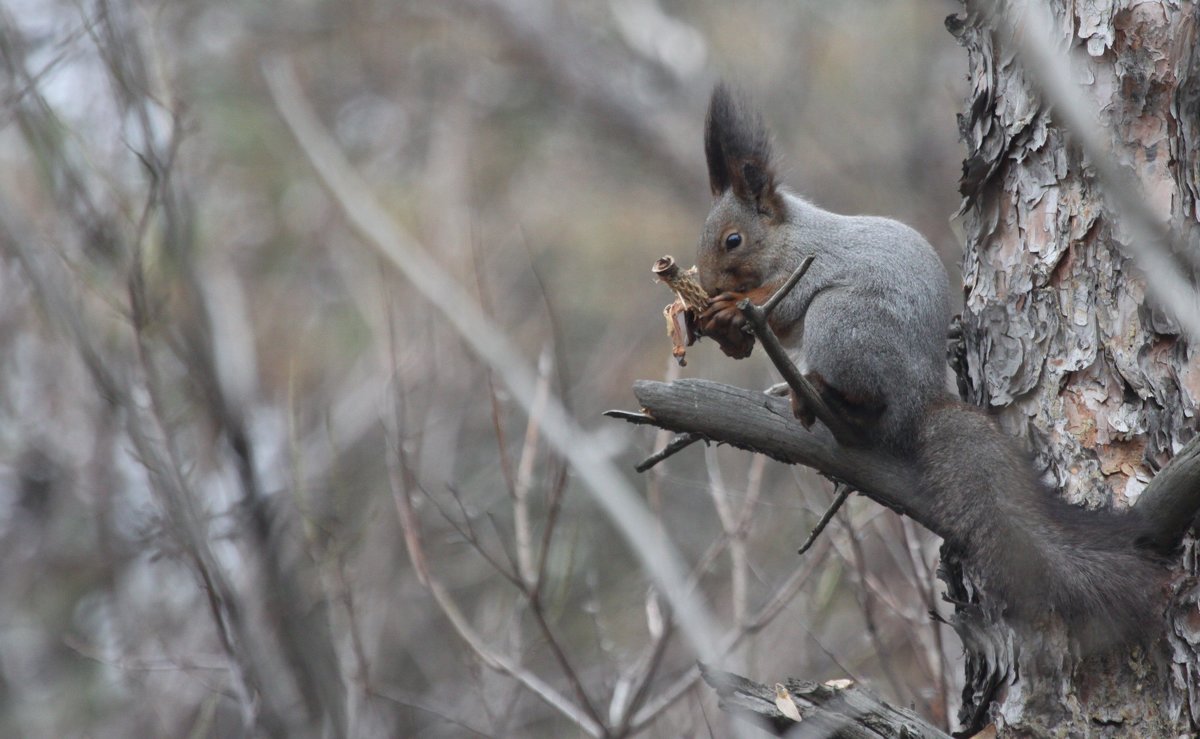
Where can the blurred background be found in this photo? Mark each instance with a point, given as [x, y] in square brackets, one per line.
[252, 482]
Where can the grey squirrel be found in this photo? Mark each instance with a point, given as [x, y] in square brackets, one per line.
[867, 326]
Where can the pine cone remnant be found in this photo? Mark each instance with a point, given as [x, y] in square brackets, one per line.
[690, 301]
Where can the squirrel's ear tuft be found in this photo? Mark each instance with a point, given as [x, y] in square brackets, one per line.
[738, 148]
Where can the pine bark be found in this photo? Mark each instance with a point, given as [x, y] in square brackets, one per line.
[1060, 339]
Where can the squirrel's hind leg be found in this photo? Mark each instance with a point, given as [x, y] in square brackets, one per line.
[863, 413]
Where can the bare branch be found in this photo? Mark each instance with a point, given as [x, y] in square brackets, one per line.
[445, 713]
[445, 602]
[881, 647]
[489, 341]
[748, 420]
[647, 668]
[555, 507]
[569, 63]
[678, 443]
[564, 662]
[843, 492]
[522, 530]
[730, 524]
[757, 621]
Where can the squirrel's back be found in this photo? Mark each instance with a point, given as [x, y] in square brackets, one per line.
[874, 308]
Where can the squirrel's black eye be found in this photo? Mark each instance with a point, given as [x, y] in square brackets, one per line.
[733, 240]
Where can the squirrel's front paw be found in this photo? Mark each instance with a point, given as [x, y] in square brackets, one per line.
[723, 321]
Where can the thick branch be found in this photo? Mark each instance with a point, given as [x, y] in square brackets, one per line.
[760, 423]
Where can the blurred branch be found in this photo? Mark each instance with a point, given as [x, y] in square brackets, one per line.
[755, 622]
[642, 673]
[153, 449]
[156, 146]
[510, 479]
[865, 592]
[577, 71]
[554, 507]
[165, 473]
[584, 718]
[221, 361]
[925, 583]
[445, 713]
[523, 533]
[606, 484]
[145, 664]
[736, 546]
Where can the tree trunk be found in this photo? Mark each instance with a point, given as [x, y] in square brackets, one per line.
[1061, 341]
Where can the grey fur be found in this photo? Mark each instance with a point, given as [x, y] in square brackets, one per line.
[870, 317]
[1035, 550]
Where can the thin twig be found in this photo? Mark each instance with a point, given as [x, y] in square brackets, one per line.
[362, 666]
[729, 525]
[409, 700]
[506, 470]
[754, 480]
[564, 662]
[882, 650]
[548, 528]
[467, 531]
[757, 320]
[755, 623]
[475, 643]
[637, 419]
[403, 482]
[924, 580]
[791, 282]
[649, 669]
[678, 443]
[843, 491]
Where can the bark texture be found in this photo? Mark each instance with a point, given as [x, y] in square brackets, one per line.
[1059, 337]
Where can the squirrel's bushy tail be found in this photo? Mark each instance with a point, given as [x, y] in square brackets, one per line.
[1033, 549]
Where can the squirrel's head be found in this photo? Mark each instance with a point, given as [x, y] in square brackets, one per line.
[734, 252]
